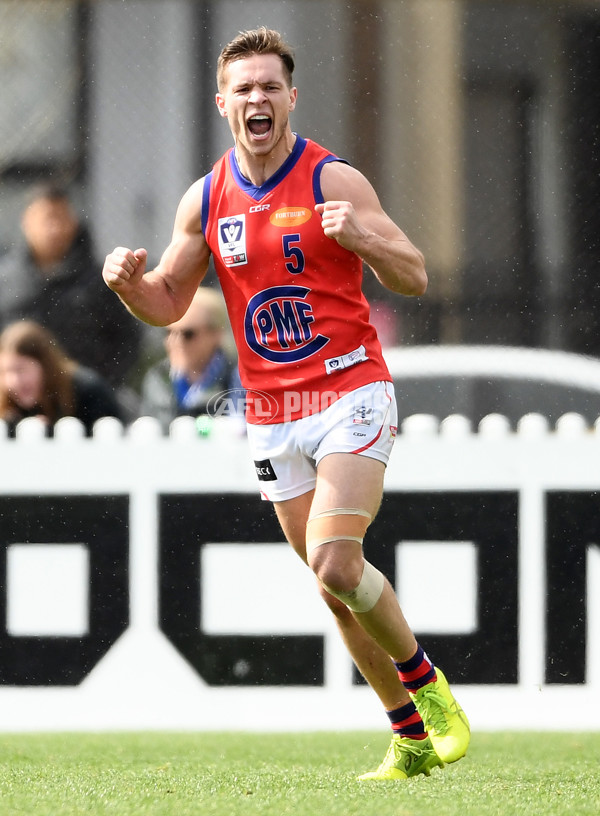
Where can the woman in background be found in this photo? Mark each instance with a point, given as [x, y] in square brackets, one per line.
[38, 379]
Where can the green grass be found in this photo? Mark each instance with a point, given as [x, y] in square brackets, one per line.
[302, 774]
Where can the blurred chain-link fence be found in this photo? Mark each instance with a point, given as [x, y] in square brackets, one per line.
[478, 123]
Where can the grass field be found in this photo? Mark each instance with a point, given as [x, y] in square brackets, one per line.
[301, 774]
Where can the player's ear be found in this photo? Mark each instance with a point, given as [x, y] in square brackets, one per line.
[293, 97]
[220, 100]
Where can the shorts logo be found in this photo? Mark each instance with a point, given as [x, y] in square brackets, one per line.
[264, 470]
[362, 416]
[232, 240]
[277, 325]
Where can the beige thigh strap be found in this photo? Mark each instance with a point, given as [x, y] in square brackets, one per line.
[339, 524]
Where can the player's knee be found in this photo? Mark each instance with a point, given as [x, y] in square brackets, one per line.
[339, 565]
[334, 546]
[365, 594]
[338, 571]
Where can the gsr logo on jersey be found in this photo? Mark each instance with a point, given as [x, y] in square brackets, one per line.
[278, 325]
[232, 240]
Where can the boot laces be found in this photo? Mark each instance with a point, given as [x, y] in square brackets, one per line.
[434, 711]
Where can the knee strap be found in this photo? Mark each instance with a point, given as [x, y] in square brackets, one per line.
[339, 524]
[347, 524]
[366, 594]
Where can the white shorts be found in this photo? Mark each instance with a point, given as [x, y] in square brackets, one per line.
[286, 454]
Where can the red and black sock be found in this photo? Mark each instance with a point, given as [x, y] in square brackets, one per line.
[406, 722]
[416, 672]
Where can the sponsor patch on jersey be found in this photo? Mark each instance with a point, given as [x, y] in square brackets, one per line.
[265, 471]
[290, 216]
[346, 360]
[278, 325]
[232, 240]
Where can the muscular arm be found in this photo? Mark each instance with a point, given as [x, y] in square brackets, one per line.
[162, 296]
[352, 215]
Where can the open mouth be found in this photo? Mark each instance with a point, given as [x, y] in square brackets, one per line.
[260, 124]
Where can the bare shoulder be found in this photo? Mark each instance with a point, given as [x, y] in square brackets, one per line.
[189, 211]
[195, 190]
[342, 182]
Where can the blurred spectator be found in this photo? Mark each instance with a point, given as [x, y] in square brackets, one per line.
[52, 277]
[38, 379]
[198, 366]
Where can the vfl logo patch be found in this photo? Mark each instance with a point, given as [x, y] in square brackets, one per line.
[264, 470]
[277, 325]
[232, 240]
[346, 360]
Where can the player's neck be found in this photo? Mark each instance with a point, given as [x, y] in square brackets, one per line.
[258, 168]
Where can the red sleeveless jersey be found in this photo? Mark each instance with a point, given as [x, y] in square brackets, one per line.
[299, 318]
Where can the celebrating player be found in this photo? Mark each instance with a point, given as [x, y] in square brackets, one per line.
[289, 226]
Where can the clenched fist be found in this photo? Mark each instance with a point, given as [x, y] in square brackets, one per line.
[124, 268]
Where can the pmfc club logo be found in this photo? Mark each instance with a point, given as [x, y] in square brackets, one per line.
[277, 325]
[232, 240]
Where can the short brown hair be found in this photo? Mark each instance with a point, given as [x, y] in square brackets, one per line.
[256, 41]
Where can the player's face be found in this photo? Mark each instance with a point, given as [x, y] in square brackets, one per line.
[257, 101]
[23, 378]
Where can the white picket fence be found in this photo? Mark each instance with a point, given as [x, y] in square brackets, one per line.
[143, 682]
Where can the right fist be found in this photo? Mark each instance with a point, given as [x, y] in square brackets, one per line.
[124, 267]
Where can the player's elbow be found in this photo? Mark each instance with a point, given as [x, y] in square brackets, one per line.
[417, 280]
[413, 281]
[419, 285]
